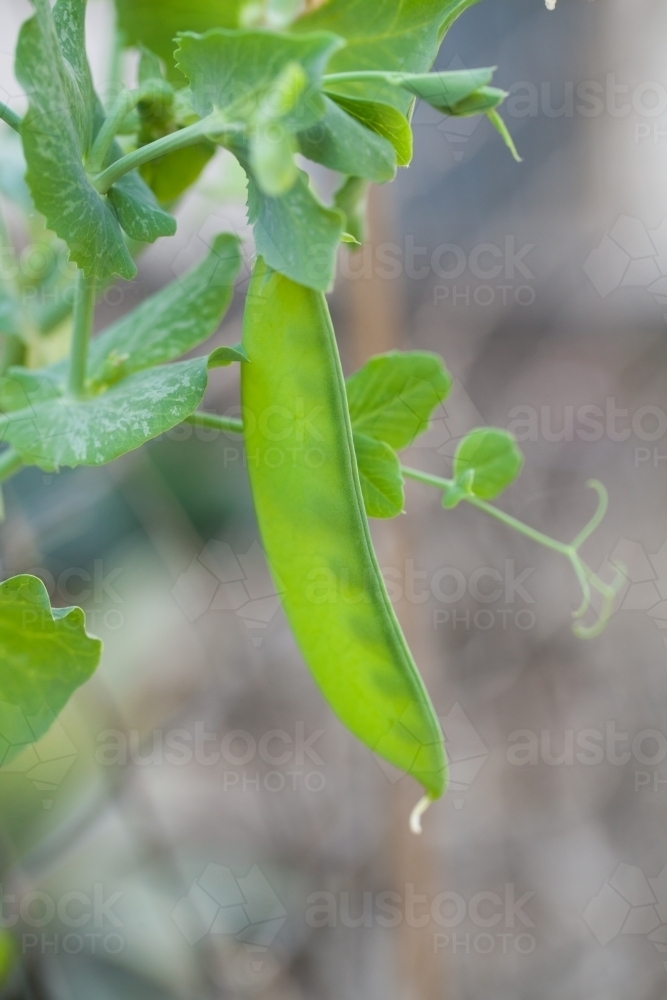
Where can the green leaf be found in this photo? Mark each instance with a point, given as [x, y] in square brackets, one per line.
[480, 102]
[340, 142]
[236, 72]
[170, 175]
[46, 655]
[64, 431]
[57, 133]
[380, 477]
[384, 35]
[393, 396]
[383, 119]
[494, 458]
[138, 211]
[155, 23]
[149, 66]
[447, 89]
[272, 149]
[163, 327]
[222, 357]
[23, 387]
[171, 322]
[503, 131]
[296, 234]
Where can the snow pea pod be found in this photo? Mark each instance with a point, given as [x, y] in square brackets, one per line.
[311, 515]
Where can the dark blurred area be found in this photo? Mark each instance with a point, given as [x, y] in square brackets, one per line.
[198, 825]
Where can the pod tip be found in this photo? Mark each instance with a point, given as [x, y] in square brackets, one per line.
[417, 813]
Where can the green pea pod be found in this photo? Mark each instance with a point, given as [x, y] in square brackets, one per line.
[310, 509]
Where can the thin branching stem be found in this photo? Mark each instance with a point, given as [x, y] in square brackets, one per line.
[588, 580]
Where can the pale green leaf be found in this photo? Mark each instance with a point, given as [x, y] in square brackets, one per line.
[155, 23]
[64, 431]
[445, 90]
[494, 458]
[149, 66]
[380, 477]
[393, 396]
[57, 132]
[384, 35]
[381, 118]
[272, 149]
[173, 321]
[46, 655]
[235, 72]
[340, 142]
[170, 175]
[478, 103]
[138, 211]
[296, 234]
[163, 327]
[504, 133]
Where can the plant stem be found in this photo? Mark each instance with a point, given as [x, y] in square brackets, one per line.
[10, 463]
[586, 577]
[124, 103]
[500, 515]
[10, 117]
[384, 76]
[84, 308]
[209, 127]
[229, 424]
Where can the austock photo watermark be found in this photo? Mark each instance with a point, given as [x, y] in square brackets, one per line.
[630, 256]
[640, 106]
[240, 913]
[592, 746]
[630, 903]
[273, 761]
[95, 588]
[71, 923]
[43, 763]
[484, 923]
[247, 910]
[458, 271]
[220, 580]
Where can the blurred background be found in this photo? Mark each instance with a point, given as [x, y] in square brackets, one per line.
[198, 825]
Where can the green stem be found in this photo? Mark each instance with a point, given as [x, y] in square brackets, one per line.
[84, 309]
[603, 503]
[588, 580]
[523, 529]
[10, 463]
[126, 101]
[231, 425]
[210, 127]
[10, 117]
[396, 79]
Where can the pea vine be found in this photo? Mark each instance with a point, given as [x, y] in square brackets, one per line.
[265, 81]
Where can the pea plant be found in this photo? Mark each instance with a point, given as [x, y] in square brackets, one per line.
[334, 82]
